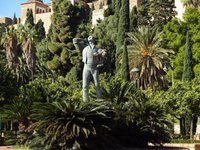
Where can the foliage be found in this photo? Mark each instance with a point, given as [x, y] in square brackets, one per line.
[29, 17]
[125, 64]
[192, 3]
[40, 30]
[39, 90]
[42, 55]
[117, 5]
[146, 44]
[131, 121]
[175, 38]
[65, 19]
[123, 24]
[70, 124]
[106, 34]
[162, 11]
[14, 20]
[9, 41]
[182, 101]
[133, 19]
[143, 13]
[123, 27]
[28, 37]
[72, 76]
[8, 86]
[188, 73]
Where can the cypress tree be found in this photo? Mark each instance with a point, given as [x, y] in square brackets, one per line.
[29, 17]
[61, 38]
[14, 21]
[188, 75]
[188, 72]
[113, 5]
[40, 29]
[125, 64]
[162, 11]
[123, 27]
[143, 13]
[133, 19]
[65, 21]
[117, 6]
[117, 10]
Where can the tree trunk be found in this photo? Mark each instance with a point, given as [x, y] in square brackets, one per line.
[191, 127]
[182, 126]
[195, 120]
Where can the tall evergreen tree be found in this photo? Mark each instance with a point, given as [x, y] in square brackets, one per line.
[162, 11]
[188, 72]
[188, 75]
[133, 19]
[125, 64]
[29, 17]
[117, 10]
[123, 27]
[143, 12]
[117, 6]
[65, 21]
[113, 4]
[14, 21]
[40, 29]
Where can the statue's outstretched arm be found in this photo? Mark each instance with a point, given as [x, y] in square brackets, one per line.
[79, 43]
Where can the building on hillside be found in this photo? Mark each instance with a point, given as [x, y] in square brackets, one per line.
[99, 6]
[6, 20]
[44, 11]
[40, 11]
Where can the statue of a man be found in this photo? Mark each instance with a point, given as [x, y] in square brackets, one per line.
[90, 58]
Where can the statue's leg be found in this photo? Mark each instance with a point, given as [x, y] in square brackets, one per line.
[86, 80]
[95, 75]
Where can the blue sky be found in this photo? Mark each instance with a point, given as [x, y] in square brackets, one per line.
[9, 7]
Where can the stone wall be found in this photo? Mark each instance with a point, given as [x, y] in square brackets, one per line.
[46, 18]
[37, 8]
[40, 11]
[133, 3]
[96, 15]
[6, 20]
[24, 9]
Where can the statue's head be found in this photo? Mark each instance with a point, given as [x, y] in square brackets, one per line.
[90, 39]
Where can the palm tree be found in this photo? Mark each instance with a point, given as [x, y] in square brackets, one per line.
[153, 59]
[193, 3]
[9, 41]
[27, 36]
[69, 123]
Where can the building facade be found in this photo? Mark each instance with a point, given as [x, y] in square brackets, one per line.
[6, 20]
[40, 11]
[44, 11]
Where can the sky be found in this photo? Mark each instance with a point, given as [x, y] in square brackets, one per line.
[9, 7]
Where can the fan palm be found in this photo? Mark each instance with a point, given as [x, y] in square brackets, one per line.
[146, 46]
[67, 122]
[9, 41]
[28, 36]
